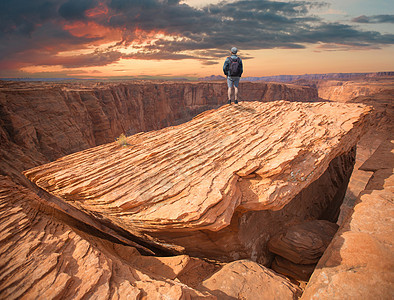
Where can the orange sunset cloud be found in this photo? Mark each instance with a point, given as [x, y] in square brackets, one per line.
[190, 39]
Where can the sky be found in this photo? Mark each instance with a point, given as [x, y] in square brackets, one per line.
[192, 38]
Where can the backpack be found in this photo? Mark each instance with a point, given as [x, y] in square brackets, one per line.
[234, 66]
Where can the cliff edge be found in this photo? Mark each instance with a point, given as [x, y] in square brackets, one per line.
[197, 178]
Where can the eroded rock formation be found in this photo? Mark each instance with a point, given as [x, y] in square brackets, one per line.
[201, 185]
[51, 250]
[346, 91]
[358, 264]
[43, 238]
[43, 258]
[41, 122]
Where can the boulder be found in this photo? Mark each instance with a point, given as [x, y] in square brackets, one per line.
[245, 279]
[304, 243]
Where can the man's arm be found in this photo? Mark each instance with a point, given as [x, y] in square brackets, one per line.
[241, 67]
[225, 66]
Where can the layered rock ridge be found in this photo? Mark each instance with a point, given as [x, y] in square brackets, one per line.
[41, 122]
[199, 185]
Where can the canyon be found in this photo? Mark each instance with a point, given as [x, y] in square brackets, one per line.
[83, 215]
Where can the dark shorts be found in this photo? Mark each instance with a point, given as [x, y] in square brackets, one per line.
[232, 81]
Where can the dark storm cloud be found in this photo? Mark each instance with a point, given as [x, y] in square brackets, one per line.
[75, 9]
[374, 19]
[97, 58]
[22, 17]
[32, 30]
[249, 24]
[45, 41]
[345, 35]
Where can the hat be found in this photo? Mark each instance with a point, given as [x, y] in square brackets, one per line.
[234, 50]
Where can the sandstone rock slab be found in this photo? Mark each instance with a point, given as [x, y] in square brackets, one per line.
[42, 121]
[182, 182]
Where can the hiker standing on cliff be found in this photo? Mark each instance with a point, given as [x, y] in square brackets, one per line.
[233, 69]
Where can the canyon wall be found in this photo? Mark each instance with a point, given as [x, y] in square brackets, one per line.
[44, 121]
[345, 91]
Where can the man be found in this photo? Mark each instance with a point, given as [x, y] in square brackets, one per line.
[233, 69]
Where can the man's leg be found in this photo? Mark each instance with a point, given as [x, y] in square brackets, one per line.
[236, 82]
[229, 85]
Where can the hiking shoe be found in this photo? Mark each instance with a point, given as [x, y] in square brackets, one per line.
[229, 102]
[235, 101]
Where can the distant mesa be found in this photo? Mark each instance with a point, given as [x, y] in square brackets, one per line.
[290, 78]
[212, 78]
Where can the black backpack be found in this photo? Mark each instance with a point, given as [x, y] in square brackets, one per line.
[234, 66]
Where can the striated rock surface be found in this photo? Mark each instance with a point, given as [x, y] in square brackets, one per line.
[42, 258]
[34, 131]
[380, 95]
[41, 122]
[299, 272]
[195, 185]
[358, 264]
[51, 250]
[246, 279]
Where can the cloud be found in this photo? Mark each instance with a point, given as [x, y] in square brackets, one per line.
[96, 58]
[374, 19]
[44, 43]
[37, 32]
[209, 62]
[76, 9]
[21, 17]
[345, 35]
[158, 55]
[249, 24]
